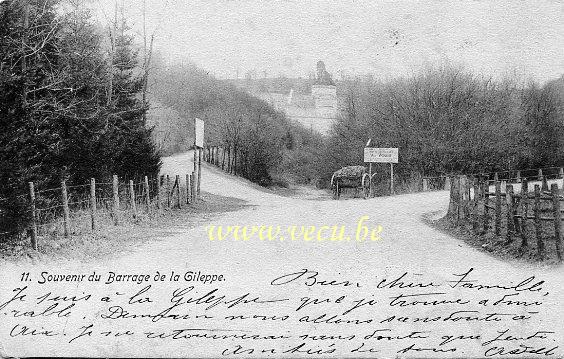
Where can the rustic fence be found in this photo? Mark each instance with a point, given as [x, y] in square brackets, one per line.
[73, 209]
[228, 159]
[512, 207]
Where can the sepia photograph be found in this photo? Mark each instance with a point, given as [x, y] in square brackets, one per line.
[281, 179]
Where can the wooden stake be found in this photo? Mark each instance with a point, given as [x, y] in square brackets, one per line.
[447, 184]
[524, 211]
[188, 189]
[33, 216]
[158, 193]
[93, 202]
[486, 191]
[66, 212]
[147, 194]
[168, 199]
[115, 207]
[497, 208]
[178, 198]
[557, 219]
[199, 171]
[510, 213]
[132, 199]
[476, 200]
[391, 178]
[538, 229]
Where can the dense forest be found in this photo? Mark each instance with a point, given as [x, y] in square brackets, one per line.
[448, 120]
[70, 104]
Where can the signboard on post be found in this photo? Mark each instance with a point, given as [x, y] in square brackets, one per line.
[380, 155]
[199, 133]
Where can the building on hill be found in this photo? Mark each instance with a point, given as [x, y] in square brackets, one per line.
[311, 102]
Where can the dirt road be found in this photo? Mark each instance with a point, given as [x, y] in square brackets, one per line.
[350, 270]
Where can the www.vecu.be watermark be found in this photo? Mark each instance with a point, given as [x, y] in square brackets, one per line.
[333, 233]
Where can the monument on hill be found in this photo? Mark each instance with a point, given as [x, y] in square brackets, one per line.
[324, 92]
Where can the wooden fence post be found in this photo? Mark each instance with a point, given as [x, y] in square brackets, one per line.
[447, 184]
[518, 176]
[425, 184]
[158, 192]
[510, 213]
[192, 191]
[475, 202]
[524, 211]
[496, 177]
[132, 199]
[168, 199]
[93, 202]
[188, 200]
[178, 198]
[557, 219]
[538, 228]
[486, 191]
[147, 194]
[497, 208]
[199, 172]
[66, 211]
[33, 216]
[115, 206]
[561, 173]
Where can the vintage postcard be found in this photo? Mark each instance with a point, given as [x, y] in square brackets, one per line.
[281, 179]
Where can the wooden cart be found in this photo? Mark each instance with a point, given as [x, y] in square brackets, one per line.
[354, 177]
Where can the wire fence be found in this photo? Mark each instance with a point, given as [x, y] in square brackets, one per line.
[74, 209]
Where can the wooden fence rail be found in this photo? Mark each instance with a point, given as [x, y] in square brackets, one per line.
[61, 204]
[504, 210]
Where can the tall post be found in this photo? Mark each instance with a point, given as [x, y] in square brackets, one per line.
[168, 199]
[66, 212]
[486, 186]
[370, 176]
[192, 189]
[425, 184]
[557, 219]
[199, 171]
[476, 200]
[447, 184]
[538, 231]
[178, 197]
[93, 202]
[147, 194]
[188, 189]
[115, 205]
[195, 161]
[510, 213]
[158, 192]
[497, 208]
[132, 199]
[524, 211]
[391, 178]
[33, 216]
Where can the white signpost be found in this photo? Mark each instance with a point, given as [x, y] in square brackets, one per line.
[198, 145]
[381, 155]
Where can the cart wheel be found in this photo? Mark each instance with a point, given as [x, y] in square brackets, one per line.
[366, 185]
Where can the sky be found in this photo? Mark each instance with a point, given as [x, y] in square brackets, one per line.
[384, 38]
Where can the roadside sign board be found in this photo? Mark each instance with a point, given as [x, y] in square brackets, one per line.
[199, 132]
[380, 155]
